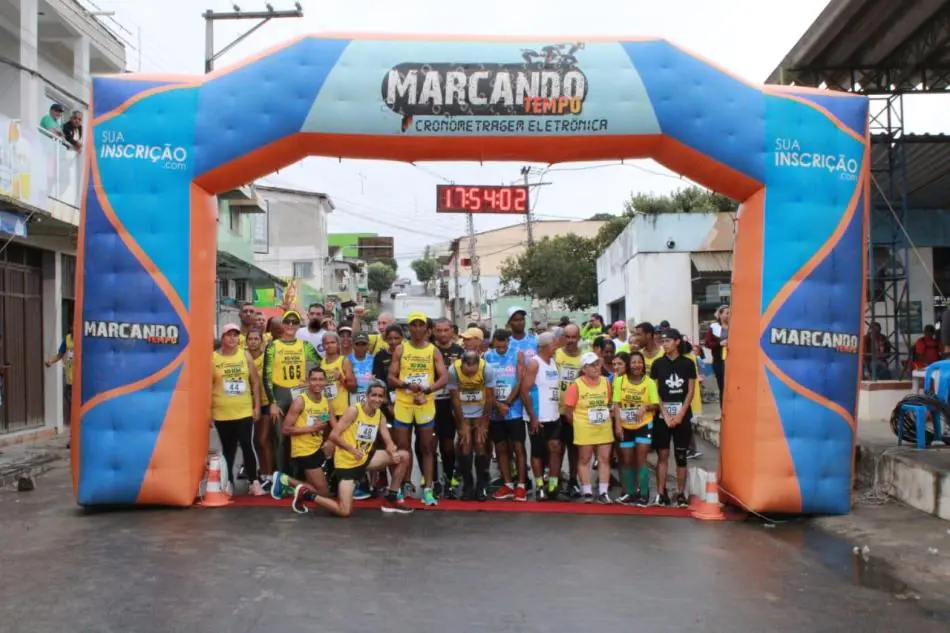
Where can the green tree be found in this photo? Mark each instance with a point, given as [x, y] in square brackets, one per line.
[610, 231]
[389, 261]
[690, 199]
[601, 217]
[380, 278]
[425, 269]
[561, 268]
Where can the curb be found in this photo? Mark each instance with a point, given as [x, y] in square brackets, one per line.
[902, 475]
[32, 467]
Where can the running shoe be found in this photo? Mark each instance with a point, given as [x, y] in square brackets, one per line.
[242, 474]
[482, 494]
[691, 454]
[395, 506]
[626, 500]
[588, 498]
[408, 489]
[682, 501]
[298, 503]
[661, 499]
[255, 489]
[277, 485]
[642, 501]
[521, 494]
[603, 499]
[505, 492]
[266, 483]
[576, 491]
[542, 494]
[428, 499]
[361, 494]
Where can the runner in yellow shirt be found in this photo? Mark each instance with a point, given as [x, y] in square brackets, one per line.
[568, 361]
[635, 403]
[587, 409]
[417, 371]
[235, 403]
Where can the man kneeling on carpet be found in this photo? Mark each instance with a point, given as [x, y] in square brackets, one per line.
[354, 438]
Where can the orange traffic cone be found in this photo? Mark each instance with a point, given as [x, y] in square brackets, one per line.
[708, 509]
[215, 496]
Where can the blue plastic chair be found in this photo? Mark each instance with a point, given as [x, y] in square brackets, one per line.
[919, 412]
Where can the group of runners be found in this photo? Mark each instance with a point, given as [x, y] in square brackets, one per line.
[346, 406]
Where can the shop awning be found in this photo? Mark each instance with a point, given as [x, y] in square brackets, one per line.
[720, 262]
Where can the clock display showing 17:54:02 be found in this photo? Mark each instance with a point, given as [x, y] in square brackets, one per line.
[482, 199]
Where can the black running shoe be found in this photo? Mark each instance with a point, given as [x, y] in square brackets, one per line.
[625, 500]
[682, 501]
[588, 498]
[603, 499]
[662, 499]
[482, 494]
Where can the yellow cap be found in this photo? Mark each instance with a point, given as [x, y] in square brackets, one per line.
[289, 314]
[418, 316]
[473, 332]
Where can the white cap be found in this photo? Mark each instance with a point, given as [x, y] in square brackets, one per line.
[589, 358]
[513, 310]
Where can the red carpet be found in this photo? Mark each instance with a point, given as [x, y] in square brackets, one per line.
[546, 507]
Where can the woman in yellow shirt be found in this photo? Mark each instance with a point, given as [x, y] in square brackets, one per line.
[587, 410]
[235, 403]
[635, 402]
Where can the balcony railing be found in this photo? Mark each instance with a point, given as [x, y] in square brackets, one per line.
[63, 170]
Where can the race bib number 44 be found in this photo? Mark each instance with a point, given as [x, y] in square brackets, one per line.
[235, 387]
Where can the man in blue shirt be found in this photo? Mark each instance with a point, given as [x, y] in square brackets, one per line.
[507, 424]
[521, 340]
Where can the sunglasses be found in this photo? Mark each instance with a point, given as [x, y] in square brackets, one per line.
[292, 322]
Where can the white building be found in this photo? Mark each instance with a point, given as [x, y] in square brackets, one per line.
[48, 51]
[290, 237]
[672, 266]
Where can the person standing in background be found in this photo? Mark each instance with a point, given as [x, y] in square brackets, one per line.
[716, 340]
[65, 354]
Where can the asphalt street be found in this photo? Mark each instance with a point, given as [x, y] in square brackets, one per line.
[269, 570]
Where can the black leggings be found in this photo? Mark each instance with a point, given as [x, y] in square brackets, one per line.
[232, 433]
[719, 369]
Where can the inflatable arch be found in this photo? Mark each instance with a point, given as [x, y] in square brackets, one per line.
[161, 147]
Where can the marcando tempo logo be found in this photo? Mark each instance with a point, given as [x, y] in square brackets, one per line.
[113, 145]
[155, 334]
[790, 153]
[840, 342]
[546, 83]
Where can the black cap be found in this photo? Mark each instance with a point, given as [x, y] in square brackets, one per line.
[57, 107]
[360, 337]
[671, 333]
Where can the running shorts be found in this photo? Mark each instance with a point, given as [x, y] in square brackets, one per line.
[634, 437]
[408, 415]
[549, 432]
[508, 431]
[312, 461]
[444, 419]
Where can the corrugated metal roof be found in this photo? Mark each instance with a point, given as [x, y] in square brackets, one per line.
[928, 171]
[884, 45]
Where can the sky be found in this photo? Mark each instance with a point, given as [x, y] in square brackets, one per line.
[749, 37]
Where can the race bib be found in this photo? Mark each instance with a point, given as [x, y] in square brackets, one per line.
[313, 420]
[555, 394]
[470, 396]
[629, 415]
[502, 392]
[442, 393]
[598, 416]
[330, 391]
[419, 379]
[235, 387]
[358, 398]
[366, 432]
[671, 409]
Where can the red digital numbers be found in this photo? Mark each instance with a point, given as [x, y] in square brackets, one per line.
[481, 199]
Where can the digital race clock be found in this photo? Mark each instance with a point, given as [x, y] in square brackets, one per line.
[481, 199]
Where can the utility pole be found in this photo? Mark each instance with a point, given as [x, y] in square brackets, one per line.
[476, 285]
[525, 172]
[264, 16]
[455, 302]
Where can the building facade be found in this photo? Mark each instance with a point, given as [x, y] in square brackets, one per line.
[669, 266]
[492, 248]
[48, 51]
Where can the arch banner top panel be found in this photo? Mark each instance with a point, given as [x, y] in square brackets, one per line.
[162, 146]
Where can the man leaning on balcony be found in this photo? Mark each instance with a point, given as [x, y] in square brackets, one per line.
[52, 122]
